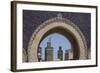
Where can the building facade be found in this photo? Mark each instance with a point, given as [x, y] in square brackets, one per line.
[69, 54]
[40, 54]
[60, 25]
[66, 55]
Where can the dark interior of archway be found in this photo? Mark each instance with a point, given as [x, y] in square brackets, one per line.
[68, 35]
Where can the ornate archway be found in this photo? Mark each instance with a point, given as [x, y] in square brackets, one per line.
[64, 27]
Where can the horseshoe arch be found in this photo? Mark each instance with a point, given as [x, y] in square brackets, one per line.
[62, 26]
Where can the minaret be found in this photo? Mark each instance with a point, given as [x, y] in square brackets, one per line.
[49, 51]
[60, 53]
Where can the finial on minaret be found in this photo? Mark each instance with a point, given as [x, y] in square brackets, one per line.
[59, 15]
[49, 39]
[49, 42]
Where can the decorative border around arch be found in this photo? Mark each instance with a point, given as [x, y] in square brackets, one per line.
[17, 52]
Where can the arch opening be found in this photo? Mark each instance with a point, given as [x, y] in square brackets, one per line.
[57, 41]
[68, 35]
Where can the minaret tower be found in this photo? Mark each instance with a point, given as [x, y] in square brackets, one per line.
[60, 53]
[49, 51]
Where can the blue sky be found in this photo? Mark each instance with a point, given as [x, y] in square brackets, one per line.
[56, 41]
